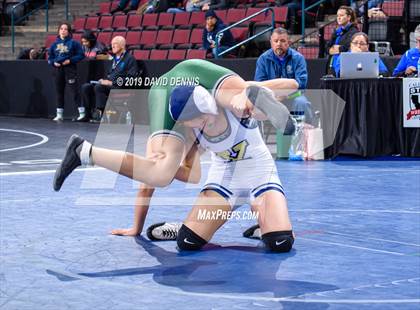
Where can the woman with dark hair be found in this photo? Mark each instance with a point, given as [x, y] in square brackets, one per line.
[91, 47]
[360, 44]
[341, 37]
[63, 55]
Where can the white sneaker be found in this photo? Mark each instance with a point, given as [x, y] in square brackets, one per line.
[58, 118]
[163, 231]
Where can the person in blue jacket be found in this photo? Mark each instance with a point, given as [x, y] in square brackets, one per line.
[281, 61]
[63, 55]
[360, 44]
[409, 61]
[213, 26]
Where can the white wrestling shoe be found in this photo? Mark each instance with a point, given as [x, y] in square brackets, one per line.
[163, 231]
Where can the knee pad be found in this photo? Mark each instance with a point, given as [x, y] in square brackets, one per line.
[279, 241]
[188, 240]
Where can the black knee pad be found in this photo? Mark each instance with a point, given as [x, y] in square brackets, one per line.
[279, 241]
[188, 240]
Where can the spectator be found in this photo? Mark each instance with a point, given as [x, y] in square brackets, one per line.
[123, 65]
[63, 55]
[190, 6]
[341, 38]
[32, 53]
[123, 3]
[408, 62]
[213, 26]
[281, 61]
[216, 5]
[360, 44]
[373, 6]
[91, 47]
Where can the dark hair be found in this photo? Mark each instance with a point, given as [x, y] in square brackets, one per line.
[89, 36]
[360, 34]
[68, 27]
[280, 30]
[350, 12]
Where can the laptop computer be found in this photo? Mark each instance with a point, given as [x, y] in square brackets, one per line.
[359, 65]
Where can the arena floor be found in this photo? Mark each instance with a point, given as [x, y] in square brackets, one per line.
[357, 224]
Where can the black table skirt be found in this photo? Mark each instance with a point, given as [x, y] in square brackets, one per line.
[372, 121]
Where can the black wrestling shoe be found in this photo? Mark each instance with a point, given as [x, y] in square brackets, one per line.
[70, 162]
[278, 114]
[163, 231]
[254, 232]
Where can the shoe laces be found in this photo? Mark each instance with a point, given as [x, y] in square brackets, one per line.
[168, 231]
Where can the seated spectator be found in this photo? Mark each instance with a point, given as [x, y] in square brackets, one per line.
[190, 6]
[281, 61]
[213, 26]
[216, 5]
[91, 47]
[360, 44]
[123, 65]
[374, 7]
[32, 53]
[122, 6]
[408, 62]
[341, 37]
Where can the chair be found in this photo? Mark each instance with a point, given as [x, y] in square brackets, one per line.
[141, 54]
[133, 38]
[49, 40]
[134, 22]
[120, 22]
[165, 20]
[182, 20]
[105, 38]
[79, 24]
[177, 54]
[92, 23]
[222, 15]
[196, 38]
[181, 38]
[197, 19]
[150, 21]
[308, 52]
[394, 8]
[148, 38]
[235, 15]
[164, 39]
[119, 33]
[77, 37]
[158, 54]
[196, 54]
[105, 23]
[104, 8]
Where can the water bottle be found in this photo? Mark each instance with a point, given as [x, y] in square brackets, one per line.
[297, 147]
[128, 119]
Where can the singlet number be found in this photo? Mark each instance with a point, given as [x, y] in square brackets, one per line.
[236, 152]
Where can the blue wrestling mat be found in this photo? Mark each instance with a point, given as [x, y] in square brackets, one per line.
[357, 226]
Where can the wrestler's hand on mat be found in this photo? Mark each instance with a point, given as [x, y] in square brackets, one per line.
[125, 232]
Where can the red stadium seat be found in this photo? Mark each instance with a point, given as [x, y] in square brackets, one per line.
[148, 39]
[105, 38]
[259, 18]
[196, 36]
[164, 37]
[280, 14]
[119, 33]
[196, 54]
[222, 15]
[114, 5]
[329, 30]
[141, 54]
[49, 40]
[165, 20]
[134, 22]
[79, 25]
[105, 23]
[197, 19]
[104, 7]
[150, 21]
[133, 38]
[120, 22]
[394, 8]
[239, 33]
[177, 54]
[92, 23]
[181, 38]
[182, 20]
[158, 54]
[234, 15]
[77, 36]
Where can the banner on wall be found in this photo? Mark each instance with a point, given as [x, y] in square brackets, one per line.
[411, 102]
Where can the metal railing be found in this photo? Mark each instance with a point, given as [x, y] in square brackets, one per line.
[219, 34]
[45, 5]
[305, 9]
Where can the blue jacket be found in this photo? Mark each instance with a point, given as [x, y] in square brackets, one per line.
[61, 50]
[210, 36]
[293, 66]
[382, 68]
[410, 58]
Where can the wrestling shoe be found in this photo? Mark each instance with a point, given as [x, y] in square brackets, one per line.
[278, 114]
[163, 231]
[254, 232]
[70, 161]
